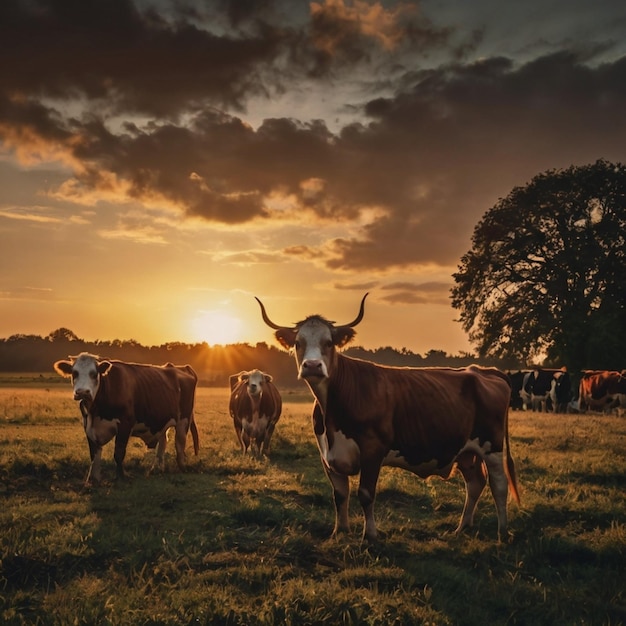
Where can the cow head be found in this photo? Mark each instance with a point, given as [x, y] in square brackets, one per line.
[255, 381]
[85, 370]
[314, 341]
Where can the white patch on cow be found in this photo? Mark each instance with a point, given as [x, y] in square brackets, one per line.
[85, 377]
[344, 457]
[312, 337]
[552, 393]
[98, 430]
[151, 439]
[472, 445]
[94, 468]
[431, 468]
[254, 383]
[256, 427]
[523, 394]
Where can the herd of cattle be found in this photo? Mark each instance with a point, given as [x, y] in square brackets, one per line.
[428, 421]
[552, 390]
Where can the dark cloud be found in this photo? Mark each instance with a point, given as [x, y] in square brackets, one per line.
[410, 180]
[441, 153]
[127, 59]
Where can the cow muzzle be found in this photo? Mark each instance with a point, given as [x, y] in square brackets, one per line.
[84, 395]
[313, 368]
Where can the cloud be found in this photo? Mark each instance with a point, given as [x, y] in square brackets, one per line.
[434, 292]
[356, 286]
[29, 215]
[137, 226]
[35, 294]
[248, 258]
[144, 108]
[343, 34]
[129, 59]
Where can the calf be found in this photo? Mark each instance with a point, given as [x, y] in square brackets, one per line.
[255, 406]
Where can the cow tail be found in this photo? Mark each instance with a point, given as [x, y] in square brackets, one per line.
[194, 435]
[509, 465]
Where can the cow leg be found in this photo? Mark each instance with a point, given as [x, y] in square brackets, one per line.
[238, 432]
[159, 459]
[471, 467]
[245, 438]
[182, 428]
[341, 498]
[370, 470]
[121, 442]
[95, 452]
[499, 485]
[268, 436]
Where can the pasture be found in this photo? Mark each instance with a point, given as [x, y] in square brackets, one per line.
[235, 540]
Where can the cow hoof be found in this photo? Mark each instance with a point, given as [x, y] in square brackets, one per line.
[506, 537]
[339, 531]
[374, 538]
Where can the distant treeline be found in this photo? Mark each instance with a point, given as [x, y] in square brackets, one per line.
[214, 364]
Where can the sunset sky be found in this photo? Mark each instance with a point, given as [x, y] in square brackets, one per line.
[163, 162]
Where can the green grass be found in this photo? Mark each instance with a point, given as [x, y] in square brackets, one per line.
[235, 540]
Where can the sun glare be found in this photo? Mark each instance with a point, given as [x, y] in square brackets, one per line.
[216, 327]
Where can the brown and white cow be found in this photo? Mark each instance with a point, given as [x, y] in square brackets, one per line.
[601, 390]
[255, 406]
[119, 399]
[425, 420]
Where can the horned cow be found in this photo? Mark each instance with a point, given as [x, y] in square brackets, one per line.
[425, 420]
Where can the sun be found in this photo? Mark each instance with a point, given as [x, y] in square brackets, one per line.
[216, 327]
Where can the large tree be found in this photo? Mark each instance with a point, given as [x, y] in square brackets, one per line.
[546, 275]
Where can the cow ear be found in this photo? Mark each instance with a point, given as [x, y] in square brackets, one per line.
[104, 367]
[64, 368]
[343, 335]
[286, 337]
[244, 377]
[268, 378]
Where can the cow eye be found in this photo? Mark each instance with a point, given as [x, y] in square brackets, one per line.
[297, 345]
[74, 375]
[93, 375]
[329, 344]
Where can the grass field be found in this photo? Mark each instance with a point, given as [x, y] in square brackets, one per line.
[238, 541]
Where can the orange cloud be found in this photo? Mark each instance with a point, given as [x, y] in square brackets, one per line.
[363, 19]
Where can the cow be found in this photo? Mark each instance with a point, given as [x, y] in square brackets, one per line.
[119, 399]
[561, 391]
[255, 406]
[601, 390]
[425, 420]
[519, 398]
[548, 389]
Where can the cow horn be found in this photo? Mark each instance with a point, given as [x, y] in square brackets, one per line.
[359, 317]
[266, 319]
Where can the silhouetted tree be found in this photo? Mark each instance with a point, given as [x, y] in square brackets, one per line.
[547, 270]
[63, 334]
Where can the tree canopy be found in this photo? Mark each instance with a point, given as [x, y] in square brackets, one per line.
[546, 275]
